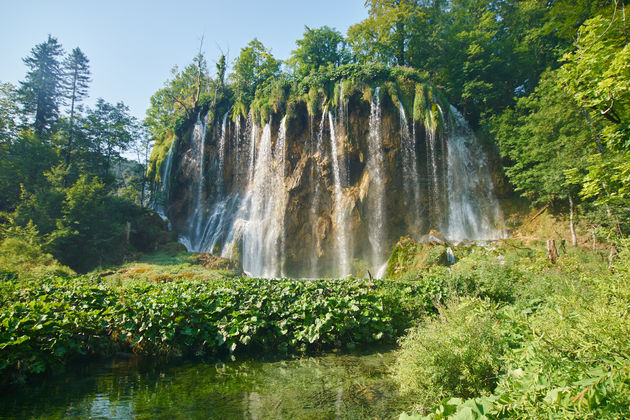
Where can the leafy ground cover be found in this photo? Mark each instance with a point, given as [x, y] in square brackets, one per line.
[192, 311]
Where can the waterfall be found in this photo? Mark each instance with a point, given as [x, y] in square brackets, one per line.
[193, 240]
[340, 212]
[220, 216]
[237, 150]
[376, 195]
[260, 254]
[432, 166]
[316, 175]
[280, 152]
[411, 180]
[474, 212]
[259, 222]
[288, 200]
[253, 136]
[221, 157]
[161, 207]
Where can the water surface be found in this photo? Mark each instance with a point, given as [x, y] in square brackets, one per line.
[330, 386]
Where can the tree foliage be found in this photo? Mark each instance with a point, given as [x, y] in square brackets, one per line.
[180, 97]
[41, 93]
[544, 136]
[77, 69]
[318, 48]
[597, 76]
[9, 112]
[253, 69]
[59, 175]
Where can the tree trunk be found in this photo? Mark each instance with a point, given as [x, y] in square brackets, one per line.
[571, 224]
[71, 138]
[552, 251]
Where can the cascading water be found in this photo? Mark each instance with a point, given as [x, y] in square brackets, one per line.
[221, 156]
[287, 200]
[316, 175]
[221, 215]
[165, 186]
[376, 195]
[259, 222]
[430, 127]
[196, 221]
[411, 179]
[253, 136]
[280, 153]
[340, 209]
[473, 209]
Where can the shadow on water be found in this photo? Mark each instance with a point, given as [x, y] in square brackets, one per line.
[331, 386]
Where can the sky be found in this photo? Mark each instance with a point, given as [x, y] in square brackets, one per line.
[132, 45]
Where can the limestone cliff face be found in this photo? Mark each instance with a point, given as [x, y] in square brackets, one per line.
[329, 193]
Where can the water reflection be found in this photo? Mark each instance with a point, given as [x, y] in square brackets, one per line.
[331, 386]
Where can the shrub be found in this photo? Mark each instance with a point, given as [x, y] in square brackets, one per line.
[458, 353]
[487, 277]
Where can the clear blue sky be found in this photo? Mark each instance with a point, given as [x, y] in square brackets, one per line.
[132, 45]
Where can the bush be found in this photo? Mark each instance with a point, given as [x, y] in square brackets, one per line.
[458, 353]
[21, 255]
[488, 277]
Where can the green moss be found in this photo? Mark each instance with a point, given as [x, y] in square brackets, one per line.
[435, 256]
[367, 93]
[158, 155]
[420, 102]
[404, 257]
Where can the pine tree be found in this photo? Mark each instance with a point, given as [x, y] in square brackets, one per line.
[77, 78]
[42, 91]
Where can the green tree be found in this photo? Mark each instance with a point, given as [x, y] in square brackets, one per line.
[77, 74]
[110, 131]
[221, 67]
[91, 225]
[180, 97]
[543, 137]
[41, 93]
[385, 35]
[597, 76]
[254, 68]
[318, 48]
[22, 166]
[9, 112]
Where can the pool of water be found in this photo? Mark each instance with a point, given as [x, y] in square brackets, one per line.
[332, 386]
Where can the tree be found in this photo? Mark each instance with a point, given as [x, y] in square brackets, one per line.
[180, 97]
[41, 93]
[385, 35]
[221, 67]
[254, 68]
[77, 78]
[543, 137]
[142, 147]
[110, 131]
[87, 231]
[9, 112]
[22, 165]
[597, 76]
[319, 48]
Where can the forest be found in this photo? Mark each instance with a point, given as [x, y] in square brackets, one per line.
[89, 267]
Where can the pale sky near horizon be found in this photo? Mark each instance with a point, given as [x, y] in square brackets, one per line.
[132, 45]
